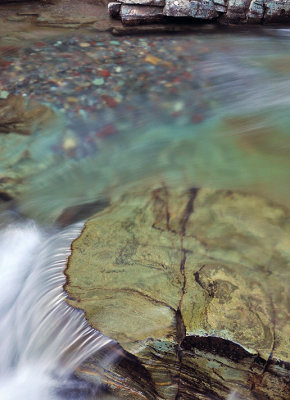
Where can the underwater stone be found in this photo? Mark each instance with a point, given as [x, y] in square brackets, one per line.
[18, 115]
[98, 81]
[4, 94]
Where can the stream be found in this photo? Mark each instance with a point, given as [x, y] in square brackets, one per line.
[200, 110]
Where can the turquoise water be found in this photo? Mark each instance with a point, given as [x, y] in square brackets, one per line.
[202, 110]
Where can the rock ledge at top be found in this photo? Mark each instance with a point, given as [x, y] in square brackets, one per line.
[222, 11]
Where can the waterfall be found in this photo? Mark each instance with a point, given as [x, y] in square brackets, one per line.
[42, 338]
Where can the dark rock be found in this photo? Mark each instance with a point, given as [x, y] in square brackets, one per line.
[80, 212]
[160, 28]
[134, 15]
[114, 9]
[157, 3]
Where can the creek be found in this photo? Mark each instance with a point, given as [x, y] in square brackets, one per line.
[200, 110]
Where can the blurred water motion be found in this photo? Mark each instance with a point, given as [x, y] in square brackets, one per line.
[248, 152]
[223, 124]
[67, 172]
[43, 340]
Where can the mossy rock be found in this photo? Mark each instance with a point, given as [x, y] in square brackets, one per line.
[193, 285]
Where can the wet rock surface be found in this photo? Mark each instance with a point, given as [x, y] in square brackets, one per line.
[221, 11]
[177, 277]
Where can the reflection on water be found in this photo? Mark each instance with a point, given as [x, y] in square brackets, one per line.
[190, 111]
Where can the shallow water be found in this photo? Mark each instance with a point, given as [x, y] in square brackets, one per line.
[208, 110]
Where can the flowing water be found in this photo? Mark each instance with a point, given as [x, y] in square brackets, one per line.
[225, 126]
[43, 340]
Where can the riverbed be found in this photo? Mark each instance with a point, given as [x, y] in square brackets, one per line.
[206, 109]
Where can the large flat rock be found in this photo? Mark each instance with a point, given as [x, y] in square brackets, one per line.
[194, 284]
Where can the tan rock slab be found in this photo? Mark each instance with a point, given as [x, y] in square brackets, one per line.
[193, 283]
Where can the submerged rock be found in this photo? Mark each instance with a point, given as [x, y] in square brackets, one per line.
[193, 285]
[29, 131]
[18, 115]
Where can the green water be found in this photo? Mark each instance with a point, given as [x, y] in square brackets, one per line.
[200, 110]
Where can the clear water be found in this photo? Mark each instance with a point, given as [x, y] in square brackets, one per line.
[215, 114]
[239, 141]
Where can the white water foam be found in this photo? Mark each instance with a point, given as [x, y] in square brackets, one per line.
[42, 339]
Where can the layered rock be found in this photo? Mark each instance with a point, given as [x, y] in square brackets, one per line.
[193, 285]
[134, 15]
[237, 11]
